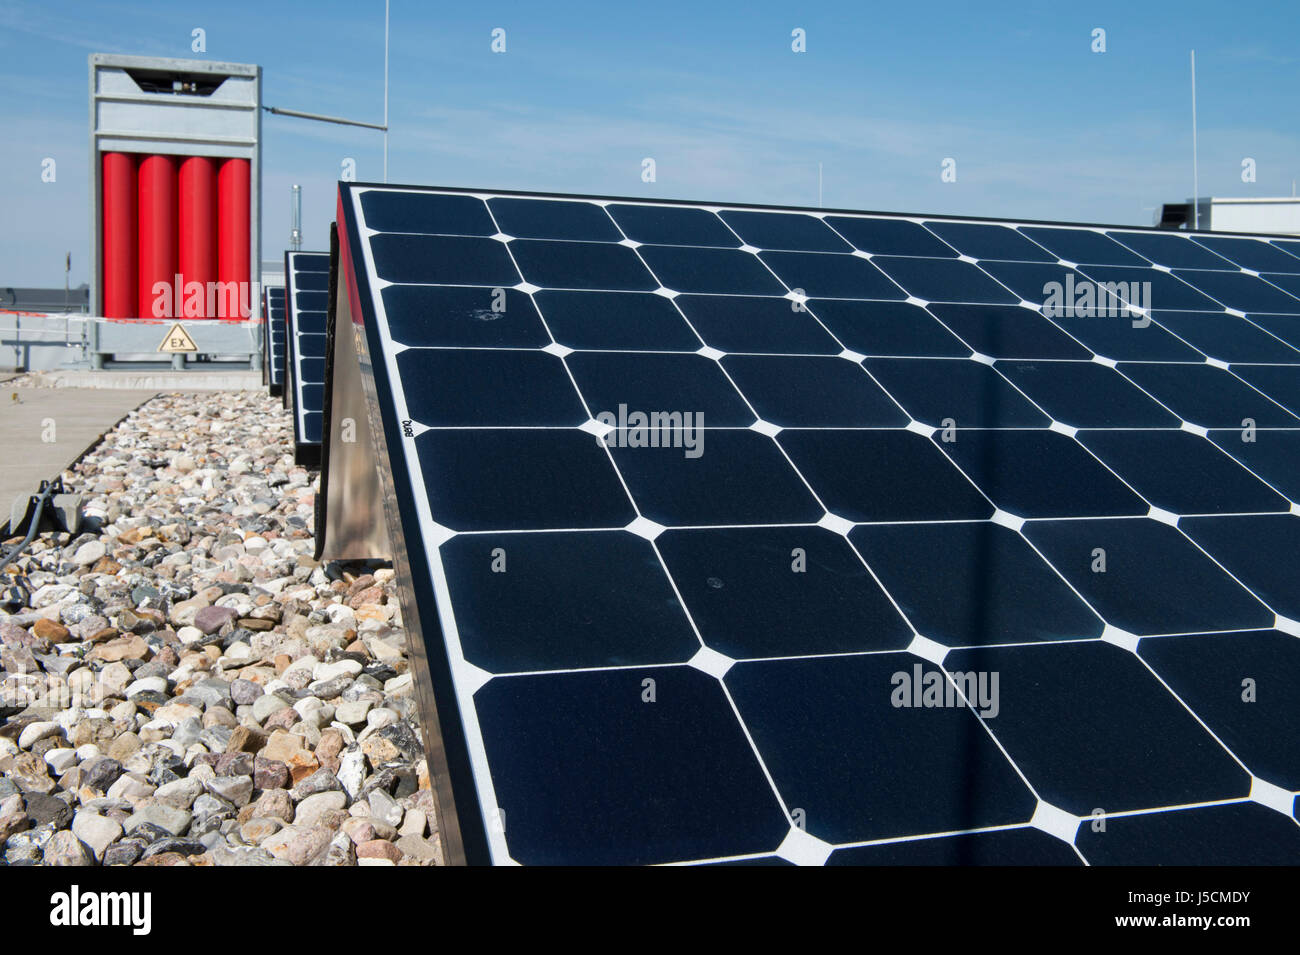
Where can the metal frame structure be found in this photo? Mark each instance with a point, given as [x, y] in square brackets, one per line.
[226, 123]
[365, 508]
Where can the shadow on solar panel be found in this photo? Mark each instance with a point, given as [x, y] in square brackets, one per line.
[758, 535]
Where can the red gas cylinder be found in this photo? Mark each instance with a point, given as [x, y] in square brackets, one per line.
[197, 230]
[233, 239]
[157, 192]
[119, 236]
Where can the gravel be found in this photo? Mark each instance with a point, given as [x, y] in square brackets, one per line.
[182, 684]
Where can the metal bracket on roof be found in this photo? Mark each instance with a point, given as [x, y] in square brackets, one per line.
[350, 520]
[49, 508]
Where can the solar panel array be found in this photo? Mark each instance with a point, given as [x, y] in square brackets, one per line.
[307, 277]
[935, 578]
[273, 339]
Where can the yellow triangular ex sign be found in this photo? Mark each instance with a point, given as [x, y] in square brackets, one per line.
[178, 339]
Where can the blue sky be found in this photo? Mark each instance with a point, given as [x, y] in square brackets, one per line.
[1039, 125]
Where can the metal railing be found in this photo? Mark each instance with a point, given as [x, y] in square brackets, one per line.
[39, 341]
[42, 329]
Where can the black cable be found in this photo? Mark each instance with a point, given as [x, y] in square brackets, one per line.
[48, 489]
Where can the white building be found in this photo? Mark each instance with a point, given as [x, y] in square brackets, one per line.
[1280, 215]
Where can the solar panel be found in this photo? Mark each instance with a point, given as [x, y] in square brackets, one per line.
[273, 340]
[307, 276]
[756, 535]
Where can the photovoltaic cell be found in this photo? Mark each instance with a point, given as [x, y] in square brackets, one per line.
[1209, 672]
[763, 325]
[943, 280]
[1171, 251]
[1195, 837]
[1285, 327]
[1279, 382]
[722, 271]
[897, 329]
[793, 232]
[1085, 394]
[1287, 282]
[1008, 331]
[470, 317]
[527, 219]
[990, 242]
[1207, 396]
[968, 583]
[740, 592]
[1082, 246]
[1269, 454]
[609, 320]
[514, 624]
[744, 534]
[307, 294]
[997, 847]
[672, 225]
[1040, 473]
[1181, 472]
[890, 237]
[1255, 254]
[1137, 746]
[831, 276]
[965, 393]
[1226, 338]
[1289, 246]
[1241, 291]
[1160, 287]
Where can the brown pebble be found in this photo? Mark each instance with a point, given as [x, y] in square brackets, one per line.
[379, 849]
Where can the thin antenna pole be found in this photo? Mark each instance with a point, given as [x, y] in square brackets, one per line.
[295, 217]
[386, 90]
[1196, 189]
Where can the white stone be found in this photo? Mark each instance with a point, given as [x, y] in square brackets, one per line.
[328, 671]
[340, 613]
[89, 553]
[313, 807]
[352, 770]
[384, 808]
[312, 711]
[352, 713]
[61, 760]
[156, 684]
[233, 789]
[130, 788]
[415, 822]
[175, 821]
[267, 705]
[35, 732]
[96, 831]
[399, 685]
[238, 652]
[180, 793]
